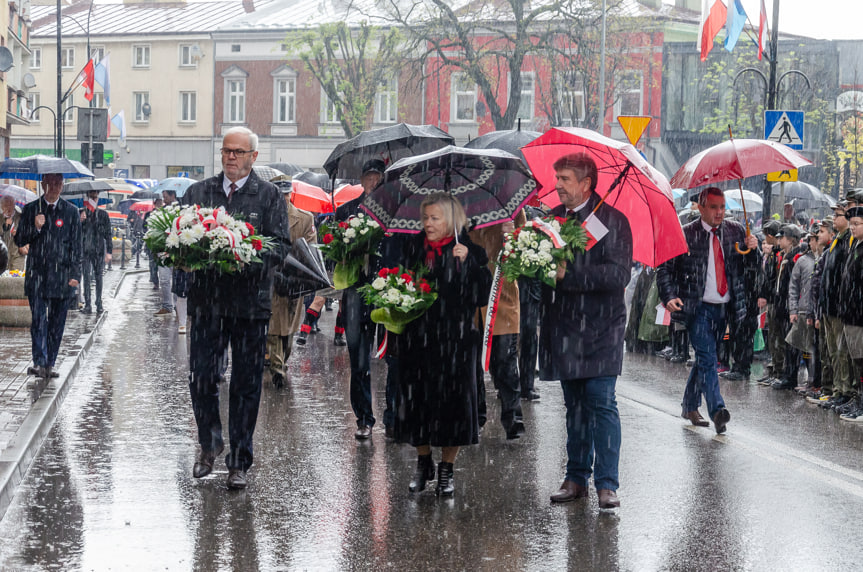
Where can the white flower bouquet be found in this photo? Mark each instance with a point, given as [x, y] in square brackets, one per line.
[196, 238]
[399, 297]
[536, 249]
[349, 243]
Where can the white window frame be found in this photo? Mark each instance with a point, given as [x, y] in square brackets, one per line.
[329, 113]
[387, 101]
[621, 90]
[234, 112]
[36, 59]
[99, 99]
[527, 94]
[144, 51]
[192, 96]
[184, 50]
[67, 58]
[455, 94]
[140, 98]
[284, 95]
[36, 101]
[100, 52]
[566, 89]
[69, 113]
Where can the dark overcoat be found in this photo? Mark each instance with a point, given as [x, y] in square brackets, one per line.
[851, 288]
[584, 315]
[436, 402]
[55, 251]
[246, 294]
[96, 233]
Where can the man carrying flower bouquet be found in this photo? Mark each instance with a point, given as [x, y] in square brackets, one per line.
[581, 337]
[233, 308]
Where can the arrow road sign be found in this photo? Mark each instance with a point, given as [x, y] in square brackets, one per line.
[784, 127]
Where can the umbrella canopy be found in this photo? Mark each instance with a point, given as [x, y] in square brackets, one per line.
[681, 197]
[511, 141]
[737, 159]
[21, 195]
[147, 195]
[33, 167]
[123, 206]
[491, 185]
[287, 168]
[753, 201]
[78, 198]
[320, 180]
[310, 198]
[142, 206]
[388, 144]
[267, 173]
[347, 193]
[805, 196]
[642, 193]
[81, 188]
[176, 184]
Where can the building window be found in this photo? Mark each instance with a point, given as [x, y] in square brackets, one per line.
[99, 99]
[526, 106]
[386, 101]
[142, 106]
[187, 56]
[235, 48]
[35, 101]
[67, 58]
[628, 92]
[36, 59]
[236, 99]
[141, 56]
[570, 94]
[97, 53]
[69, 114]
[286, 100]
[329, 111]
[463, 91]
[188, 106]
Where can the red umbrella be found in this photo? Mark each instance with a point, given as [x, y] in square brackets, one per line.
[142, 206]
[737, 159]
[310, 198]
[347, 193]
[627, 182]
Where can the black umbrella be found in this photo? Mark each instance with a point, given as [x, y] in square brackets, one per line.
[317, 179]
[491, 185]
[81, 188]
[302, 272]
[805, 196]
[511, 141]
[388, 144]
[287, 168]
[146, 195]
[33, 167]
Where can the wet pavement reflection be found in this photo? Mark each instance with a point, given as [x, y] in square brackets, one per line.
[112, 486]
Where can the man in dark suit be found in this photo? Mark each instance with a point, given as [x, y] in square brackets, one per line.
[52, 228]
[697, 286]
[233, 309]
[581, 336]
[96, 233]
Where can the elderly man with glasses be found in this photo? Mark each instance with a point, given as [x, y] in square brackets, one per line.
[233, 309]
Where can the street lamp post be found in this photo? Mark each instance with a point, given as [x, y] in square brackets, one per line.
[90, 159]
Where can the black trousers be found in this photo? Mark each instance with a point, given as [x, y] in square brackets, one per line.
[94, 268]
[359, 334]
[503, 367]
[529, 293]
[742, 340]
[209, 340]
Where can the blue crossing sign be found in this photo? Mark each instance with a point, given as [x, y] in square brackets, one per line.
[784, 127]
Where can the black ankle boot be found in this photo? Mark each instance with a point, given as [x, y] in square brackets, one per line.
[423, 474]
[445, 482]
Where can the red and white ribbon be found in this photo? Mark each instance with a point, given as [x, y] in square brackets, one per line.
[491, 315]
[548, 230]
[382, 348]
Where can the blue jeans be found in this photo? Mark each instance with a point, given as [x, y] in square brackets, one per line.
[706, 327]
[592, 430]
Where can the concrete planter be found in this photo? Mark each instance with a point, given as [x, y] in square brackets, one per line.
[14, 306]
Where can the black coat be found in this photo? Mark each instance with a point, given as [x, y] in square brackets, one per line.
[436, 402]
[246, 294]
[96, 233]
[783, 283]
[851, 289]
[831, 265]
[55, 251]
[584, 316]
[684, 276]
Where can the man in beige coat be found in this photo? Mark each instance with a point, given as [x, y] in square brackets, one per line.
[288, 312]
[504, 349]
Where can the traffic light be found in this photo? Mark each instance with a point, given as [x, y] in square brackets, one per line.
[85, 153]
[98, 155]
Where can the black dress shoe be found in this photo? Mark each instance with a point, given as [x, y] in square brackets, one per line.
[736, 376]
[339, 340]
[530, 396]
[783, 384]
[363, 432]
[515, 430]
[236, 479]
[204, 464]
[302, 337]
[99, 309]
[86, 310]
[720, 420]
[445, 480]
[278, 380]
[423, 474]
[52, 373]
[33, 370]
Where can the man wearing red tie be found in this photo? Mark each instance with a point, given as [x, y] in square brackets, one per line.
[697, 286]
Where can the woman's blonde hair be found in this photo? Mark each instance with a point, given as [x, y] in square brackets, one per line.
[453, 212]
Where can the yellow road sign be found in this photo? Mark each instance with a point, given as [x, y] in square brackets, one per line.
[634, 126]
[788, 176]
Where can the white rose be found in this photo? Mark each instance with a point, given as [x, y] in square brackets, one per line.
[545, 245]
[379, 283]
[552, 273]
[350, 233]
[407, 301]
[346, 240]
[373, 224]
[364, 231]
[355, 222]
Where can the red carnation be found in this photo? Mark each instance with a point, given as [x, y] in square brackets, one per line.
[257, 244]
[251, 228]
[394, 270]
[407, 278]
[425, 288]
[328, 238]
[560, 219]
[383, 272]
[343, 224]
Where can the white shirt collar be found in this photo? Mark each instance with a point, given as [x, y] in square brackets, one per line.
[706, 226]
[578, 208]
[226, 183]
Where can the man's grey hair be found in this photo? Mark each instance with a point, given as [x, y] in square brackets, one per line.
[253, 139]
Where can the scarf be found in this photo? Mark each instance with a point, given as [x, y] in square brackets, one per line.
[434, 248]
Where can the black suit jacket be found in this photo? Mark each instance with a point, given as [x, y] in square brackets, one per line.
[246, 294]
[96, 233]
[55, 250]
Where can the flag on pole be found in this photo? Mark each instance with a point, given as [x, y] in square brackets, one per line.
[85, 78]
[735, 21]
[762, 30]
[101, 72]
[119, 122]
[713, 16]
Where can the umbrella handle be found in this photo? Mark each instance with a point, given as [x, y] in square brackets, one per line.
[739, 251]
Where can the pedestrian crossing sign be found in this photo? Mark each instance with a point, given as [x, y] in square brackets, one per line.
[788, 176]
[784, 127]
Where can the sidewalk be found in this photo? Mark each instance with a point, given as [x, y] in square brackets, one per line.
[28, 406]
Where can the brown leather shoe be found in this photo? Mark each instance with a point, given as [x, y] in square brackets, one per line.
[363, 432]
[721, 418]
[569, 491]
[204, 464]
[236, 479]
[696, 419]
[608, 499]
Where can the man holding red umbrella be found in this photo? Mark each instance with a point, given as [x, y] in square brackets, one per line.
[697, 287]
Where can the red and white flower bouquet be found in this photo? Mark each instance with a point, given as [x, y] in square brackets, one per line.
[399, 297]
[349, 243]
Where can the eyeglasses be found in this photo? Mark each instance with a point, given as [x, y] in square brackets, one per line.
[238, 153]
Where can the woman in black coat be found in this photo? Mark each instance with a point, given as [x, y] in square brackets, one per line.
[436, 403]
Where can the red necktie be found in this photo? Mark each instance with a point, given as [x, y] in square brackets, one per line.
[231, 193]
[719, 264]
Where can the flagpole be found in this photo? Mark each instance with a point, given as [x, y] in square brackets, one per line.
[58, 151]
[771, 95]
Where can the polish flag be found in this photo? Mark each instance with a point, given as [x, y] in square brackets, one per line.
[595, 230]
[87, 77]
[663, 316]
[713, 17]
[763, 39]
[762, 320]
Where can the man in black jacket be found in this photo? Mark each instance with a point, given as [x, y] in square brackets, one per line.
[697, 286]
[96, 234]
[788, 239]
[233, 309]
[51, 227]
[581, 336]
[766, 293]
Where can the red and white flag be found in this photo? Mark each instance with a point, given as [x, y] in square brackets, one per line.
[713, 16]
[663, 316]
[595, 230]
[762, 320]
[87, 78]
[763, 39]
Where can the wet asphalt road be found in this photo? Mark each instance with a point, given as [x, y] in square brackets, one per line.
[112, 487]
